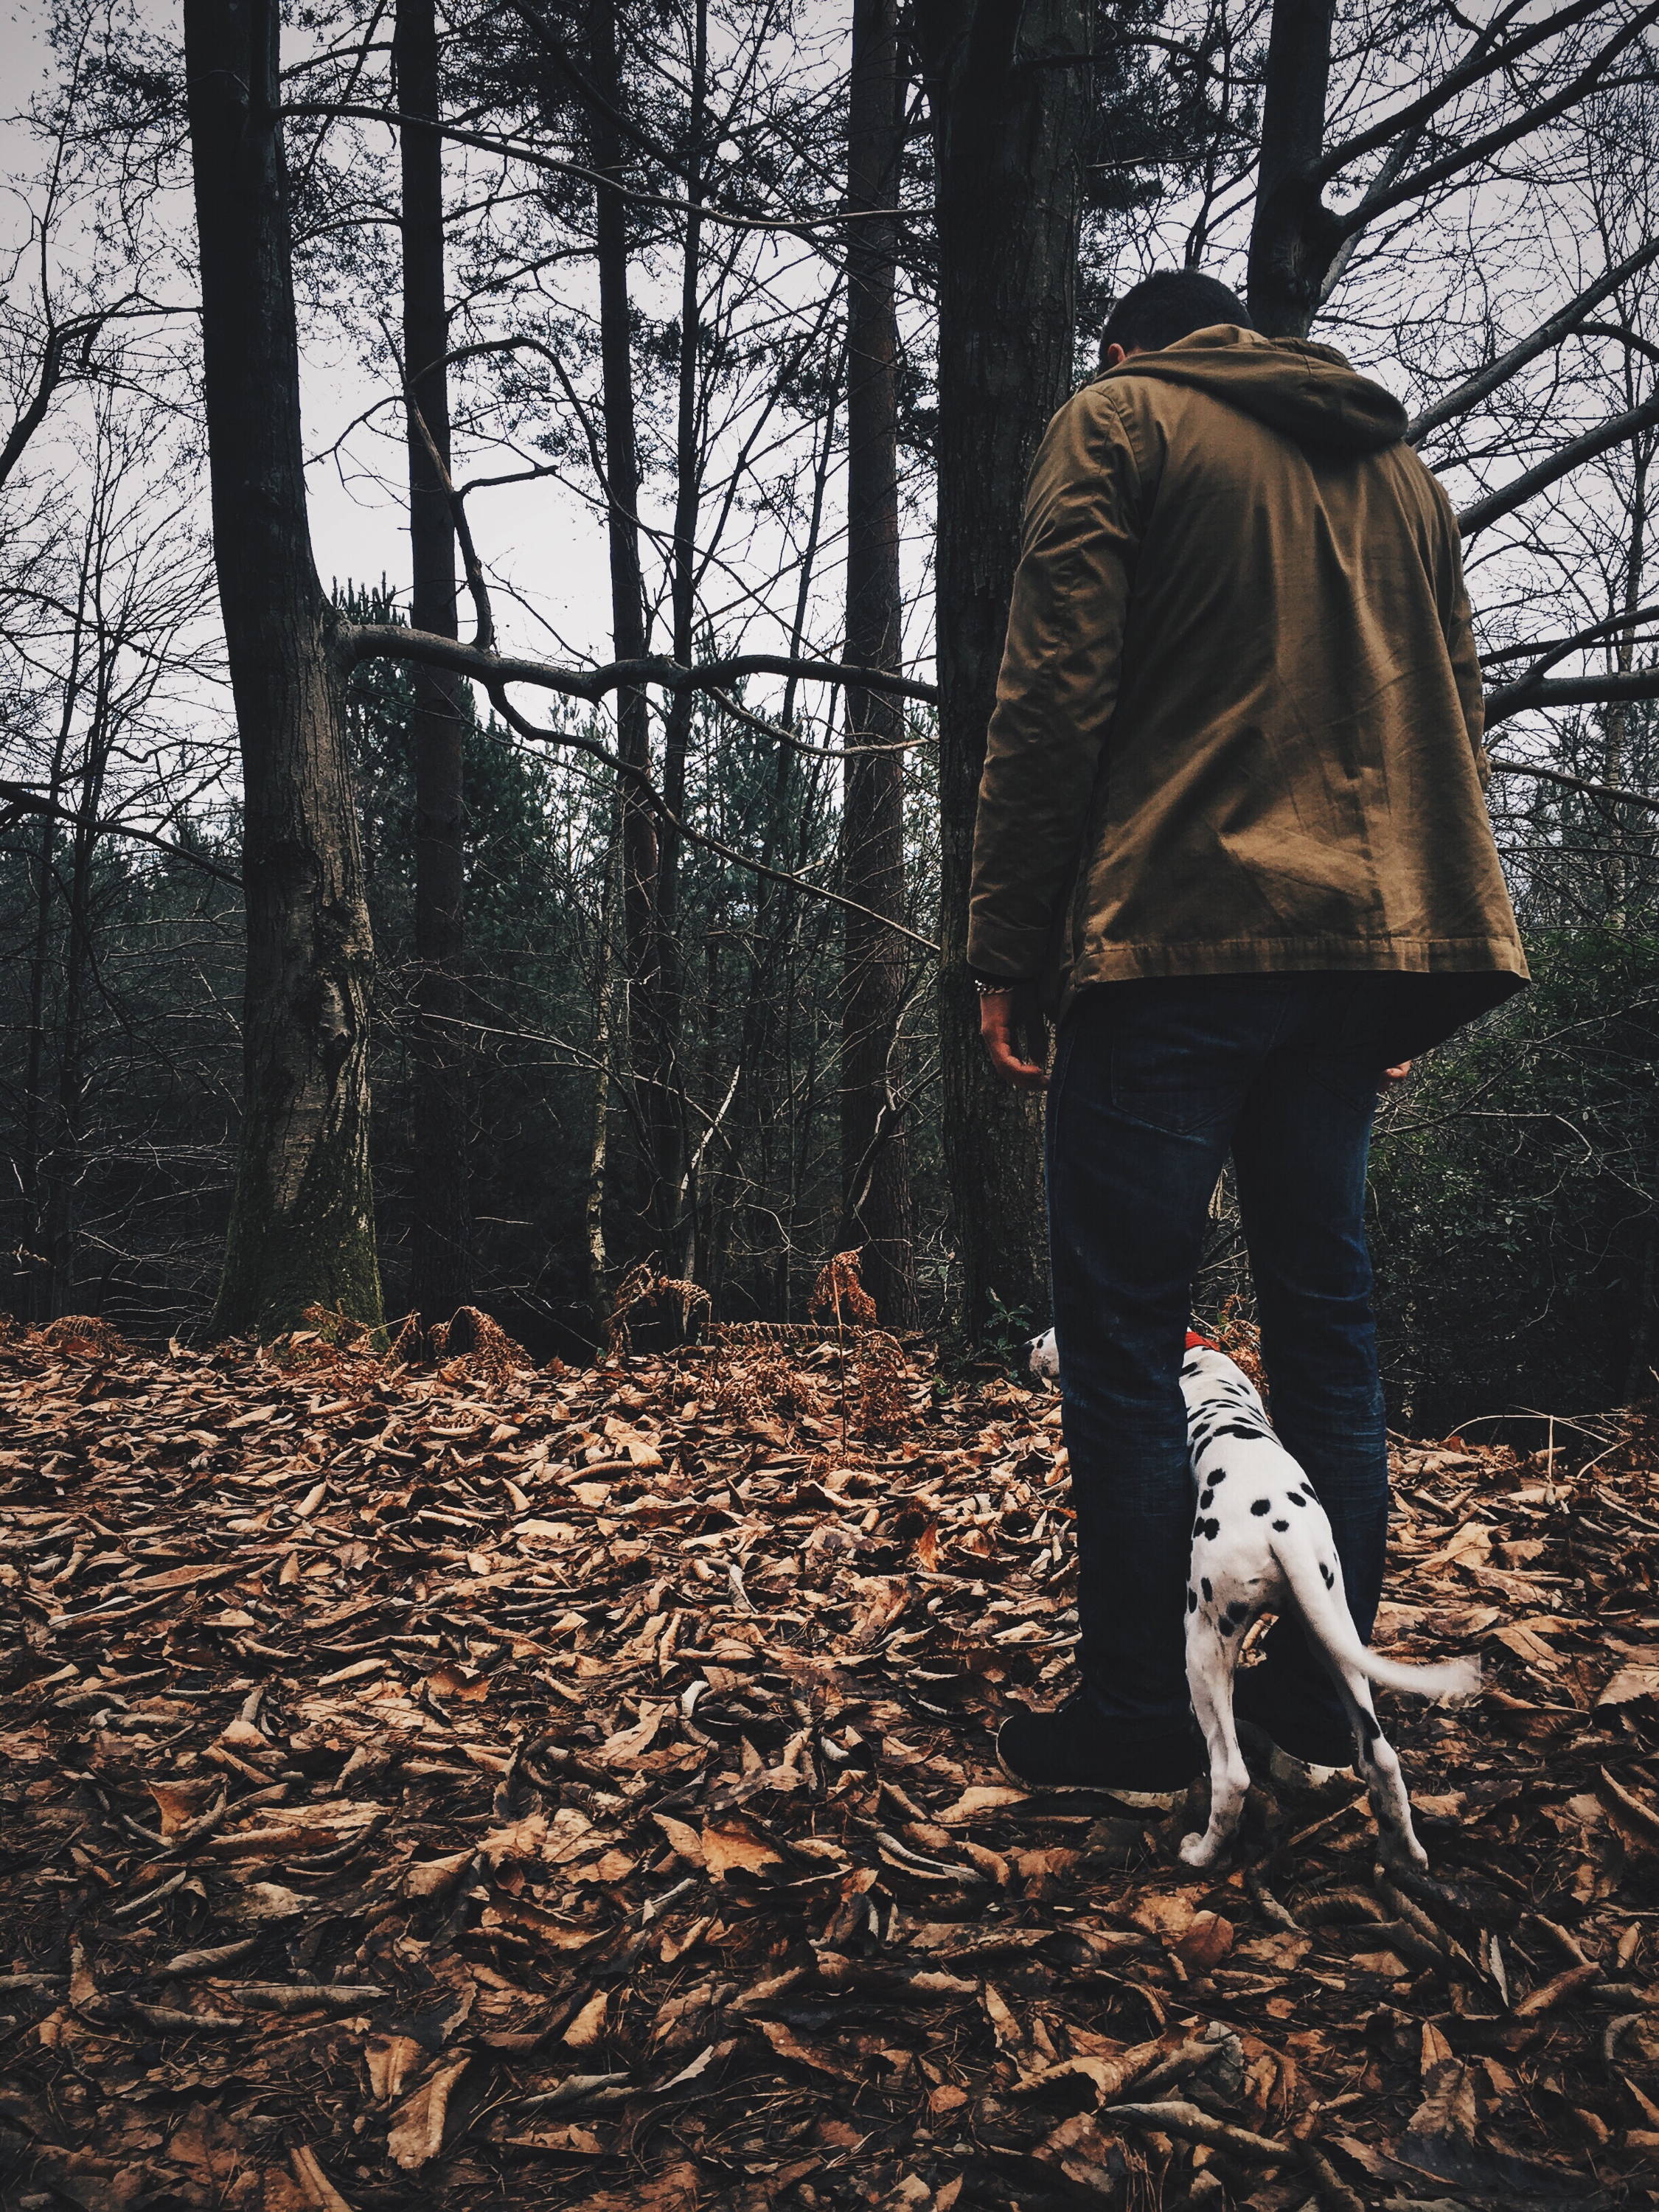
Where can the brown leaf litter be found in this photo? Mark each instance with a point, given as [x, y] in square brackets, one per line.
[462, 1785]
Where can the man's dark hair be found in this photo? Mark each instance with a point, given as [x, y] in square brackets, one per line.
[1169, 305]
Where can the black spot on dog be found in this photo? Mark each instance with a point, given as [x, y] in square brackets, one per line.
[1198, 1531]
[1204, 1502]
[1262, 1505]
[1216, 1475]
[1212, 1528]
[1241, 1429]
[1330, 1579]
[1372, 1730]
[1297, 1498]
[1235, 1618]
[1281, 1525]
[1192, 1601]
[1204, 1584]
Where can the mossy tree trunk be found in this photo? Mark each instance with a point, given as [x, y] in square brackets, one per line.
[301, 1226]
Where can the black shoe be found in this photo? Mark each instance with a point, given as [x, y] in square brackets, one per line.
[1307, 1732]
[1071, 1748]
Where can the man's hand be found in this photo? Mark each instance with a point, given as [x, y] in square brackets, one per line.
[1009, 1023]
[1397, 1074]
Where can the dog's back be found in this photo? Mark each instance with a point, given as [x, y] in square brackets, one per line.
[1261, 1541]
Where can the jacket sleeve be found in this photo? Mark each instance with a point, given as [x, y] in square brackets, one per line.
[1458, 625]
[1058, 685]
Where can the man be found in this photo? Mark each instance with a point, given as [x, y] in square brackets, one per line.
[1232, 828]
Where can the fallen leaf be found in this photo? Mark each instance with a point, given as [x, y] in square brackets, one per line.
[417, 2131]
[388, 2058]
[1205, 1941]
[589, 2026]
[730, 1842]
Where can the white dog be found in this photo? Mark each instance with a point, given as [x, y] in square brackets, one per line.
[1261, 1541]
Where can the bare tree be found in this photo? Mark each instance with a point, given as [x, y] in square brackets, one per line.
[441, 1277]
[875, 1164]
[301, 1228]
[1008, 86]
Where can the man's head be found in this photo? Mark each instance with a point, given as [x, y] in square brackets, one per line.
[1166, 307]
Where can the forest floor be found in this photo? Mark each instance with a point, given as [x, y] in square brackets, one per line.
[478, 1784]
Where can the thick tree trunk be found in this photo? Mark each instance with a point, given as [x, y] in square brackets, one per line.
[1294, 237]
[441, 1220]
[875, 1160]
[1009, 87]
[302, 1225]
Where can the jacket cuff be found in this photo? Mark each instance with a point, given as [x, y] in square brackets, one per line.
[1008, 955]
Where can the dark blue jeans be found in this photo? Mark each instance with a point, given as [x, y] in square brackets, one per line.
[1154, 1082]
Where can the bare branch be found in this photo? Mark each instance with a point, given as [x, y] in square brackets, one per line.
[1558, 463]
[20, 798]
[53, 365]
[1645, 347]
[511, 149]
[1544, 653]
[1617, 687]
[1485, 61]
[393, 642]
[664, 813]
[1470, 155]
[779, 735]
[1485, 381]
[1579, 782]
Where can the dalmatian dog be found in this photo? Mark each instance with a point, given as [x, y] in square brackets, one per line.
[1261, 1542]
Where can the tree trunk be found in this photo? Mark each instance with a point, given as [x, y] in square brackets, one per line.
[1294, 237]
[441, 1220]
[37, 1159]
[1009, 90]
[663, 1072]
[1615, 718]
[875, 1159]
[301, 1224]
[67, 1164]
[640, 959]
[606, 1029]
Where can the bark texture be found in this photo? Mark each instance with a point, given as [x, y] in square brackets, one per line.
[1294, 237]
[1009, 89]
[301, 1226]
[673, 1208]
[640, 959]
[875, 1161]
[440, 1218]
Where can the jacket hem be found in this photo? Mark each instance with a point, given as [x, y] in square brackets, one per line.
[1501, 959]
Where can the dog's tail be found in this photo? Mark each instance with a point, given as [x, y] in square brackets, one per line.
[1324, 1611]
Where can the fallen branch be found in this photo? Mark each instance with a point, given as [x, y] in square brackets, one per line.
[1186, 2123]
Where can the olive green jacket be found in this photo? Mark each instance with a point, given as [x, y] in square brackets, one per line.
[1238, 726]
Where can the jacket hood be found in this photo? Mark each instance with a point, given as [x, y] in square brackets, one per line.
[1309, 391]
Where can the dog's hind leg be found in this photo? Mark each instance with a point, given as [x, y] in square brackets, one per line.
[1379, 1761]
[1210, 1657]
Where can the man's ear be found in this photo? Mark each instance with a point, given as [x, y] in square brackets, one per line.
[1115, 354]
